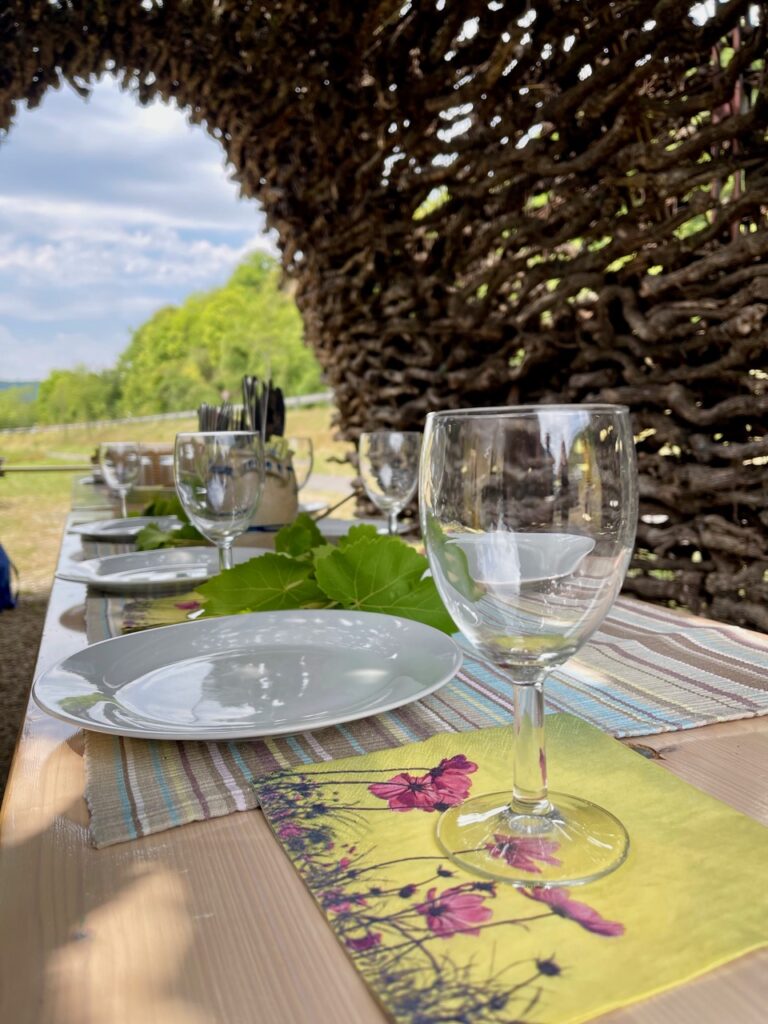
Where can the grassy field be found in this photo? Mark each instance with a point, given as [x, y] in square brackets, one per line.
[33, 506]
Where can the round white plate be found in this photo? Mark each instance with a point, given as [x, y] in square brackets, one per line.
[164, 569]
[123, 529]
[312, 506]
[333, 528]
[241, 676]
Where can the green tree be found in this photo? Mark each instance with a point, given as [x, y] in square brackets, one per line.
[193, 353]
[71, 396]
[18, 406]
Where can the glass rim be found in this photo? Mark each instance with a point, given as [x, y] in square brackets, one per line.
[513, 411]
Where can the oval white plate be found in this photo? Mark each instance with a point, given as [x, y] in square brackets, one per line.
[241, 676]
[165, 569]
[122, 529]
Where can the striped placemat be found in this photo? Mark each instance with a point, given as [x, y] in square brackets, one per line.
[648, 670]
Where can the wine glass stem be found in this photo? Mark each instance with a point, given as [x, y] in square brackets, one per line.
[225, 556]
[123, 503]
[392, 520]
[529, 788]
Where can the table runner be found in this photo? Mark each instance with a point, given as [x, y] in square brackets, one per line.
[647, 670]
[437, 944]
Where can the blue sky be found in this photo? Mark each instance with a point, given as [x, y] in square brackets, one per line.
[108, 211]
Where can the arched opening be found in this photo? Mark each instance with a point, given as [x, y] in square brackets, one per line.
[109, 211]
[481, 207]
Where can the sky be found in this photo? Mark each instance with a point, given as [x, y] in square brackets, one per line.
[108, 211]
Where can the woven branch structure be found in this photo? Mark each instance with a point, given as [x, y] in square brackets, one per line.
[493, 203]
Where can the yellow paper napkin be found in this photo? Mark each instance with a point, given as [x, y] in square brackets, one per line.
[436, 944]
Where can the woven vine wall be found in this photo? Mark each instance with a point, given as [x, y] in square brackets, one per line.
[497, 202]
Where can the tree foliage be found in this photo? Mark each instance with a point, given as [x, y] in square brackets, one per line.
[17, 406]
[197, 351]
[184, 355]
[72, 396]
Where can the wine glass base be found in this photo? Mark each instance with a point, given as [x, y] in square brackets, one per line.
[572, 843]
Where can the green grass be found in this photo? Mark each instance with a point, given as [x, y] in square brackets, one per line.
[34, 506]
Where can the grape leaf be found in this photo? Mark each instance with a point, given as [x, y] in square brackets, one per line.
[299, 537]
[382, 574]
[267, 583]
[422, 603]
[363, 531]
[164, 505]
[152, 537]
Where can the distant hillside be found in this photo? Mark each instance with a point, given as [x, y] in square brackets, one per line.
[33, 384]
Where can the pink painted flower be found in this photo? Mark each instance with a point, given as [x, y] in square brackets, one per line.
[454, 911]
[339, 902]
[368, 941]
[290, 831]
[457, 763]
[523, 853]
[561, 904]
[403, 792]
[188, 606]
[451, 779]
[441, 787]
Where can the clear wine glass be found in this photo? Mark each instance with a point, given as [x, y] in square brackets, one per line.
[389, 469]
[219, 478]
[120, 462]
[528, 516]
[302, 459]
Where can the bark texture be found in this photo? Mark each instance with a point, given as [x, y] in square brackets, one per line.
[493, 203]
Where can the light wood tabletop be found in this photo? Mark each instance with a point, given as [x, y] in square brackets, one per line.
[209, 923]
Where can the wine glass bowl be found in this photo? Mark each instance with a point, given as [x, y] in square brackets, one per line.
[219, 477]
[528, 516]
[389, 470]
[302, 459]
[120, 463]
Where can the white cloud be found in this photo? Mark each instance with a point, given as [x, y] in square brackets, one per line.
[108, 211]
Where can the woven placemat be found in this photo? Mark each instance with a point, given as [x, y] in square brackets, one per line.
[646, 671]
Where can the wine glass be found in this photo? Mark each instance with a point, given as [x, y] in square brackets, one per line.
[302, 459]
[528, 516]
[389, 468]
[120, 462]
[219, 478]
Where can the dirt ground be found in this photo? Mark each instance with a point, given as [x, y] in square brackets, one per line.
[20, 630]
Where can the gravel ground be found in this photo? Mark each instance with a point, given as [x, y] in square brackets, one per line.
[20, 630]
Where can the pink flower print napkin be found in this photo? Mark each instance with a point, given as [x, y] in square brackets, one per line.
[435, 943]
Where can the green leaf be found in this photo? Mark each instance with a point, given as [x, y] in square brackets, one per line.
[266, 583]
[383, 574]
[363, 531]
[152, 537]
[299, 537]
[423, 604]
[454, 562]
[166, 506]
[83, 702]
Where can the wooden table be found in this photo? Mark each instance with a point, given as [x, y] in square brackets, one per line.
[209, 923]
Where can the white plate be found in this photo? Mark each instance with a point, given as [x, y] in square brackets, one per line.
[333, 528]
[123, 529]
[166, 568]
[312, 506]
[241, 676]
